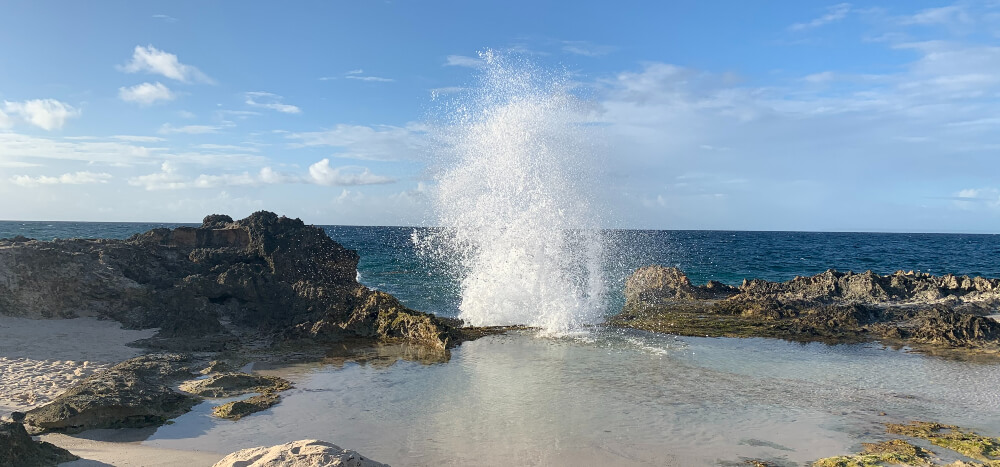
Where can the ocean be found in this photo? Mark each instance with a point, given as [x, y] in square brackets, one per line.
[390, 262]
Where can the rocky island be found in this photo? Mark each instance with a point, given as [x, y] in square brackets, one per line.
[917, 309]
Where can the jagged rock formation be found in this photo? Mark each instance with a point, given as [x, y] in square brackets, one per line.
[132, 394]
[205, 286]
[17, 448]
[302, 453]
[832, 306]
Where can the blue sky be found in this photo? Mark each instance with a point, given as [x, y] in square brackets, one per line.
[790, 115]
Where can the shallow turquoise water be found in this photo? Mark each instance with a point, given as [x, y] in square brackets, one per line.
[608, 399]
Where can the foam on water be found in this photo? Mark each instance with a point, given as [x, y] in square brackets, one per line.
[514, 198]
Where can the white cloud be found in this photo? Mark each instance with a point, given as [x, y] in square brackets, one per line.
[168, 129]
[462, 60]
[165, 18]
[76, 178]
[947, 15]
[146, 93]
[271, 101]
[586, 48]
[149, 59]
[833, 14]
[139, 139]
[47, 114]
[5, 120]
[975, 198]
[166, 179]
[322, 173]
[360, 76]
[171, 177]
[14, 146]
[370, 78]
[370, 143]
[225, 147]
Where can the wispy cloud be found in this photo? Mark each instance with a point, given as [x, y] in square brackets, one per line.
[146, 93]
[165, 18]
[360, 76]
[465, 61]
[172, 177]
[149, 59]
[168, 129]
[76, 178]
[946, 15]
[587, 49]
[267, 100]
[369, 143]
[833, 14]
[139, 139]
[47, 114]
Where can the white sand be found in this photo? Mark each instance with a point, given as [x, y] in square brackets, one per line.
[102, 448]
[41, 358]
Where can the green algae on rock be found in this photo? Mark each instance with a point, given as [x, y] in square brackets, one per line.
[234, 384]
[238, 409]
[892, 452]
[957, 439]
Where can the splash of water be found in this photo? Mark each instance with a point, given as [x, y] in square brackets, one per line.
[514, 200]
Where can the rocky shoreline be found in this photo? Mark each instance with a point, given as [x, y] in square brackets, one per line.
[224, 290]
[908, 308]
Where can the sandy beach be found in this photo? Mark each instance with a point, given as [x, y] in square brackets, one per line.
[41, 358]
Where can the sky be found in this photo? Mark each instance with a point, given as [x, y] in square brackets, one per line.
[733, 115]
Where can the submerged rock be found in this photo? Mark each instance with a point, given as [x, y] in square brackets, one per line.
[262, 276]
[18, 449]
[133, 394]
[892, 452]
[238, 409]
[234, 384]
[304, 453]
[965, 442]
[901, 452]
[832, 306]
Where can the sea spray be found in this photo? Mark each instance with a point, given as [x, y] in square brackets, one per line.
[514, 200]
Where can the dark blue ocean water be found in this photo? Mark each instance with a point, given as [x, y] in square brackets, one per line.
[390, 262]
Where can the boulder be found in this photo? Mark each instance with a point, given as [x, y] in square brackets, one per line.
[132, 394]
[304, 453]
[17, 448]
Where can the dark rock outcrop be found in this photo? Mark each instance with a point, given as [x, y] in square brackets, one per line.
[832, 306]
[204, 287]
[132, 394]
[17, 448]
